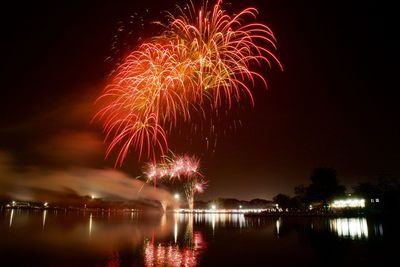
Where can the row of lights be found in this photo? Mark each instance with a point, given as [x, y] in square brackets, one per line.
[14, 203]
[349, 203]
[46, 204]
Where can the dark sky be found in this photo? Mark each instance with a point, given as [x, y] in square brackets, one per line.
[333, 106]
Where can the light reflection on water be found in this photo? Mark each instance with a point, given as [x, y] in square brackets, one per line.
[90, 224]
[160, 240]
[354, 228]
[173, 254]
[278, 225]
[44, 218]
[11, 218]
[218, 219]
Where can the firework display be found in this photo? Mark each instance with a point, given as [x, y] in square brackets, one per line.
[183, 168]
[202, 63]
[178, 167]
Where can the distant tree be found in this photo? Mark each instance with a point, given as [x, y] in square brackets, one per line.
[324, 185]
[259, 203]
[297, 202]
[282, 200]
[228, 203]
[200, 204]
[388, 184]
[386, 189]
[366, 190]
[300, 190]
[389, 188]
[301, 198]
[245, 204]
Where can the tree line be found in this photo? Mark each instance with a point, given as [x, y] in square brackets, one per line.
[383, 195]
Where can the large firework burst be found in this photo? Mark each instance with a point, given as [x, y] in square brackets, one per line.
[201, 63]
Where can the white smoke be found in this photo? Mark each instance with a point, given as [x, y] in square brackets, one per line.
[32, 184]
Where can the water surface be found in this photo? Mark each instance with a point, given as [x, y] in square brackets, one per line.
[66, 238]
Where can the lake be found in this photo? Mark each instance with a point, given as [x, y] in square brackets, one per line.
[78, 238]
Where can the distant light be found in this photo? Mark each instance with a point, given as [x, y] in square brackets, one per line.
[213, 207]
[240, 206]
[377, 200]
[177, 196]
[310, 207]
[93, 196]
[13, 203]
[46, 204]
[349, 203]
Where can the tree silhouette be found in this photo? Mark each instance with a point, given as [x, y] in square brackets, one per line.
[366, 190]
[282, 200]
[324, 185]
[386, 189]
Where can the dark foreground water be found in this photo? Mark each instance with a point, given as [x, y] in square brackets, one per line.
[58, 238]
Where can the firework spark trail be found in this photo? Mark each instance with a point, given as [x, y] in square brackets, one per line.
[192, 186]
[139, 99]
[200, 64]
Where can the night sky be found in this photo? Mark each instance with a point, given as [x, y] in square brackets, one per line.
[334, 105]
